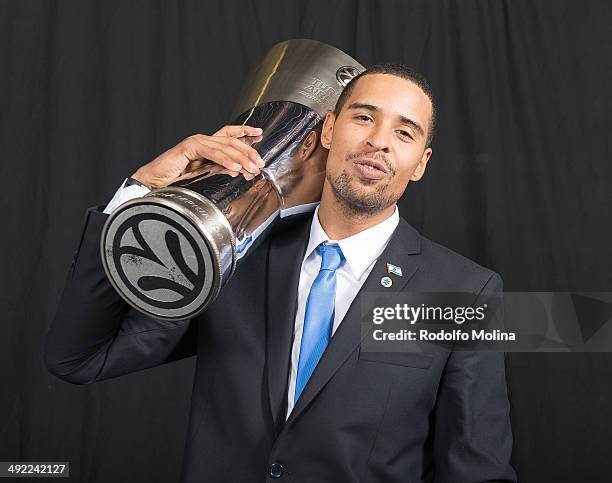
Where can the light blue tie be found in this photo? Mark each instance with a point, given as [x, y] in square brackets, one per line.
[319, 316]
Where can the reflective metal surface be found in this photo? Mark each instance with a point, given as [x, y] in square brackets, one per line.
[304, 71]
[170, 252]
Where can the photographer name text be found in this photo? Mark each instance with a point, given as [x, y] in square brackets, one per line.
[435, 314]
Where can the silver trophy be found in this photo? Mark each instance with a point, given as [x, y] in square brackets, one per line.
[169, 253]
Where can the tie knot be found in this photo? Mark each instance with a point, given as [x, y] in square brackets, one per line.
[331, 256]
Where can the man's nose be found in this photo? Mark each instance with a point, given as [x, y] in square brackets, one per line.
[378, 140]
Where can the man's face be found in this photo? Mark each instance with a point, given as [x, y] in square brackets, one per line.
[377, 142]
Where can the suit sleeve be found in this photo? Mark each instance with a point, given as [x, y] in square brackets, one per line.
[472, 435]
[95, 334]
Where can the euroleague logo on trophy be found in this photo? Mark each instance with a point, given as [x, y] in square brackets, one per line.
[346, 74]
[173, 264]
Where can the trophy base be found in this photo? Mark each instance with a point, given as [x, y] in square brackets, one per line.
[169, 253]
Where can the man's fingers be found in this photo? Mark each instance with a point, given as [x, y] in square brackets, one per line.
[200, 147]
[239, 152]
[244, 148]
[227, 152]
[248, 176]
[237, 143]
[238, 131]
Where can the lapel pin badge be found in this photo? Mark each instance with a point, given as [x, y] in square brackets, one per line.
[386, 282]
[394, 269]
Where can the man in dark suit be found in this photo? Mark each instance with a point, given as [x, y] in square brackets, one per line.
[282, 388]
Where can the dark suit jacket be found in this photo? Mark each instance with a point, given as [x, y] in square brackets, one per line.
[363, 416]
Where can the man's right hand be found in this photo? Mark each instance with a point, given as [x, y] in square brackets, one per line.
[224, 147]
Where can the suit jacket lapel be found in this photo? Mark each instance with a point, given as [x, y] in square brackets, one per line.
[287, 250]
[401, 251]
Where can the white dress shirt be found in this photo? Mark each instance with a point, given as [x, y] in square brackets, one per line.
[123, 194]
[361, 252]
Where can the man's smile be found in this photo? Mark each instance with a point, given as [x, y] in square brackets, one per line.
[370, 168]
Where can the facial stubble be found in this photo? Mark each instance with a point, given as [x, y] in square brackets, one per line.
[357, 202]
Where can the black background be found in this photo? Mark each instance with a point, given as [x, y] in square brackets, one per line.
[519, 181]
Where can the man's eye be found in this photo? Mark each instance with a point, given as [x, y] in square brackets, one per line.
[405, 134]
[362, 117]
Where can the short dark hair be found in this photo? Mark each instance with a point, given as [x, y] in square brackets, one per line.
[399, 70]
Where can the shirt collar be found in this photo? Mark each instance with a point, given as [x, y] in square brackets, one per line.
[360, 250]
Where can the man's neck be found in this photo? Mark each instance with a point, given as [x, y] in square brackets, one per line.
[339, 223]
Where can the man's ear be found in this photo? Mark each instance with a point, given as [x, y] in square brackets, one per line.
[420, 169]
[328, 130]
[309, 145]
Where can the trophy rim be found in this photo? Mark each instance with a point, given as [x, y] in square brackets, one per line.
[262, 83]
